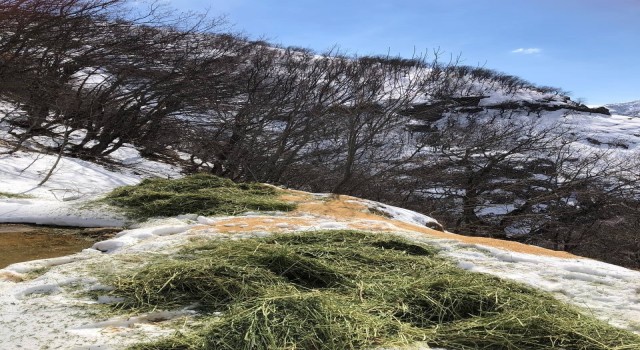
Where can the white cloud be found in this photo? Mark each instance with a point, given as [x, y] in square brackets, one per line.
[527, 51]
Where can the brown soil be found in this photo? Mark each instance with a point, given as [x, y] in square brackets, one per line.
[311, 211]
[339, 208]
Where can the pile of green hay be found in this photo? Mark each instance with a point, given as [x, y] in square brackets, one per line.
[200, 194]
[351, 290]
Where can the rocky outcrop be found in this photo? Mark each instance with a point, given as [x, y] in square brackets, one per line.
[433, 111]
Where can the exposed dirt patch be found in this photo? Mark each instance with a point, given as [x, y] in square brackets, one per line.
[347, 208]
[258, 223]
[508, 245]
[339, 208]
[313, 211]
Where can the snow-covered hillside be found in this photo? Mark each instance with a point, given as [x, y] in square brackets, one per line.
[631, 109]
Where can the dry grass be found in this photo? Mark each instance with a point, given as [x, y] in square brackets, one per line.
[14, 195]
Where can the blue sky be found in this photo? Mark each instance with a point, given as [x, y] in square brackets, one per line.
[588, 47]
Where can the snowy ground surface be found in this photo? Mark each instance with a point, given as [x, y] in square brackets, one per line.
[64, 199]
[617, 131]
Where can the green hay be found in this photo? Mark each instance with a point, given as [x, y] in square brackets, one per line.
[301, 271]
[352, 290]
[323, 321]
[200, 194]
[14, 195]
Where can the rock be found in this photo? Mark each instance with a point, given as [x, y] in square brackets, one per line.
[601, 110]
[435, 226]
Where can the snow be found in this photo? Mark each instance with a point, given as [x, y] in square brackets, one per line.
[131, 237]
[21, 173]
[499, 97]
[495, 209]
[400, 214]
[613, 131]
[631, 109]
[52, 212]
[66, 198]
[91, 79]
[46, 313]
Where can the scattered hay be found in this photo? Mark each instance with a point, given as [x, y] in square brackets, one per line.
[14, 195]
[201, 194]
[12, 276]
[352, 290]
